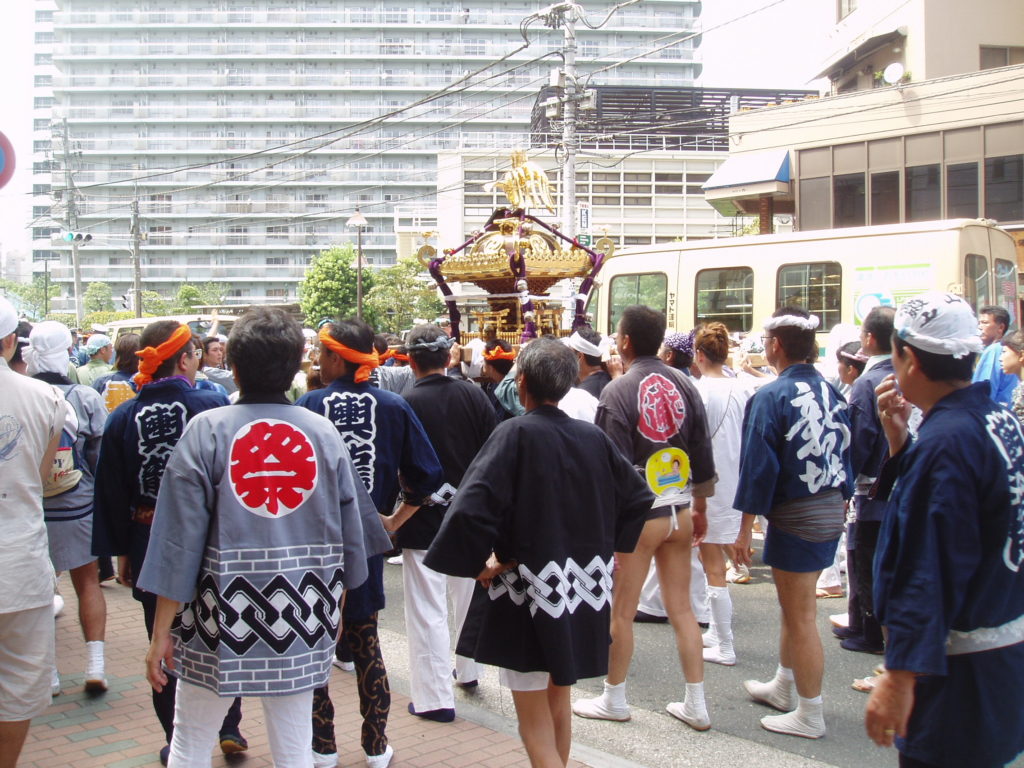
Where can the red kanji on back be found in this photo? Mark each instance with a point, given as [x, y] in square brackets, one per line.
[662, 410]
[273, 467]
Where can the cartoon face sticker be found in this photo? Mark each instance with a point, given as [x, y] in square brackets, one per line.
[273, 468]
[667, 469]
[662, 410]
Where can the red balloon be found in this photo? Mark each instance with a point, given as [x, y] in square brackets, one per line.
[6, 160]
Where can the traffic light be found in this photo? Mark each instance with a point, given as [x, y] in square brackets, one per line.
[76, 237]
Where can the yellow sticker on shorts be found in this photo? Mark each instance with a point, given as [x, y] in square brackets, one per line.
[667, 468]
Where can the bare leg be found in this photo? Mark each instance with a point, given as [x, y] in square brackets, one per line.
[538, 727]
[713, 556]
[629, 580]
[800, 643]
[561, 716]
[12, 738]
[92, 605]
[672, 559]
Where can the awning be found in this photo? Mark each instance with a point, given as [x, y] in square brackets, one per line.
[848, 60]
[747, 178]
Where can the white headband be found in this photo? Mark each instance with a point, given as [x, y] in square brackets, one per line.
[583, 346]
[951, 324]
[803, 323]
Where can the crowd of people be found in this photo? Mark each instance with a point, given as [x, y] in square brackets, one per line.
[250, 489]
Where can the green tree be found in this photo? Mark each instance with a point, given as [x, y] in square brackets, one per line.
[190, 296]
[155, 304]
[99, 297]
[401, 296]
[329, 288]
[32, 297]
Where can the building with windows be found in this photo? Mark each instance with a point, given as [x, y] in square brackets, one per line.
[926, 122]
[920, 40]
[249, 131]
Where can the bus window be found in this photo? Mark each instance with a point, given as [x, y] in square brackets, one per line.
[651, 290]
[1006, 288]
[976, 281]
[592, 304]
[816, 287]
[726, 296]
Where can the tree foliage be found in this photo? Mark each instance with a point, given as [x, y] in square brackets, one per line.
[99, 297]
[401, 297]
[30, 297]
[329, 288]
[190, 296]
[155, 304]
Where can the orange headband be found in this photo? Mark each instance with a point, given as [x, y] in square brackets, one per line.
[499, 354]
[366, 362]
[153, 357]
[394, 354]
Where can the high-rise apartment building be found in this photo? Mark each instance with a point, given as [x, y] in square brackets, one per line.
[249, 131]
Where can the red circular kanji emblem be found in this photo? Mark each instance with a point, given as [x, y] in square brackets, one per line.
[273, 467]
[662, 410]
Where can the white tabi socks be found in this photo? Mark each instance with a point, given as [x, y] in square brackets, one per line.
[692, 710]
[95, 672]
[722, 651]
[779, 692]
[610, 705]
[807, 721]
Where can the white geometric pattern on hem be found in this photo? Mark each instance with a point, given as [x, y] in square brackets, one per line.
[557, 589]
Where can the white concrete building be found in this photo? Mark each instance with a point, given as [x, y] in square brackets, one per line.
[251, 130]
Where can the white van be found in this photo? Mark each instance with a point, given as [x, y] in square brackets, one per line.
[201, 325]
[837, 274]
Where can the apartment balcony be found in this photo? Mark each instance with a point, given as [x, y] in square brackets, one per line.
[343, 17]
[248, 81]
[394, 51]
[281, 112]
[252, 271]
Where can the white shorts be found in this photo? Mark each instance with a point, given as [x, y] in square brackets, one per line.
[26, 662]
[523, 681]
[723, 525]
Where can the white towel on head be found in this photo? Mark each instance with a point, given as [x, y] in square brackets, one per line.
[48, 346]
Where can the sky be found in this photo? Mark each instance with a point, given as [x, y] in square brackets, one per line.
[765, 50]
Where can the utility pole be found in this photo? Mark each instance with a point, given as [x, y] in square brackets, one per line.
[569, 123]
[72, 220]
[136, 232]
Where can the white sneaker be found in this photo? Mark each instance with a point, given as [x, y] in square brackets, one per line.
[698, 720]
[325, 761]
[781, 697]
[344, 666]
[382, 760]
[710, 638]
[598, 708]
[717, 655]
[55, 682]
[794, 724]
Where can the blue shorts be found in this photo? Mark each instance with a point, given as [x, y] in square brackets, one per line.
[787, 552]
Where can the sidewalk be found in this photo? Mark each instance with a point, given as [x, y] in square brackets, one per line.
[120, 730]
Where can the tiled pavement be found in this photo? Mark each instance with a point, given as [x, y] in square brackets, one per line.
[120, 730]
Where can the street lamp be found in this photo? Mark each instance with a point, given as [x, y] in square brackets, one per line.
[358, 221]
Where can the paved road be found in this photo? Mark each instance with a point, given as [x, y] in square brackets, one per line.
[655, 739]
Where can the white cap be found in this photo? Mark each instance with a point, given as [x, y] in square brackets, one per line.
[941, 323]
[8, 318]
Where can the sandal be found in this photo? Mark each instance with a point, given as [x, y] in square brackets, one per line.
[865, 684]
[826, 592]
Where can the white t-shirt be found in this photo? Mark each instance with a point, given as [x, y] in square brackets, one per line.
[724, 400]
[579, 404]
[31, 413]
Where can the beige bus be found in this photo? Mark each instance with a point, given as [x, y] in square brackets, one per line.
[837, 274]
